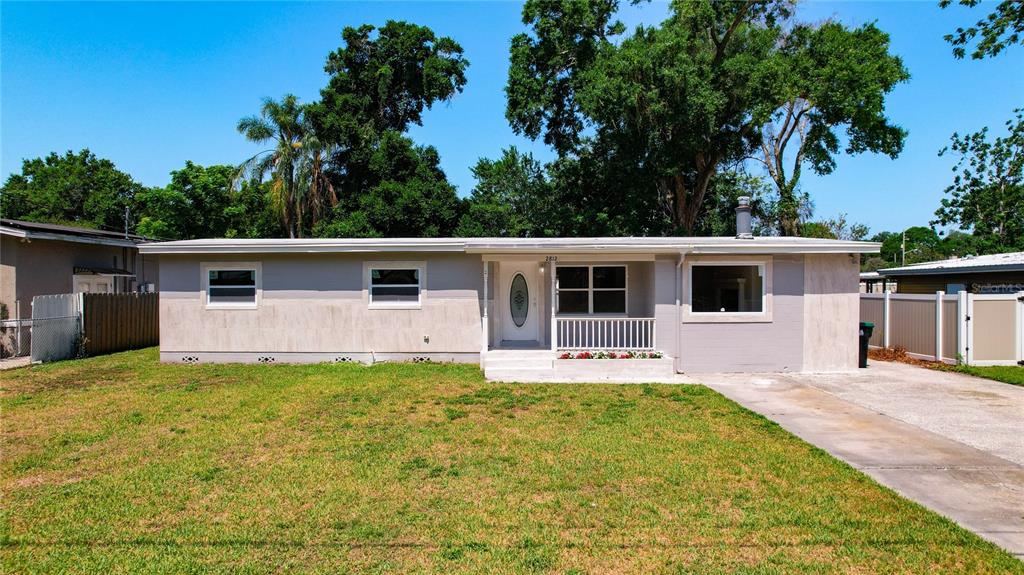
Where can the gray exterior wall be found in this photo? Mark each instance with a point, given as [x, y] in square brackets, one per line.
[771, 346]
[45, 267]
[315, 306]
[318, 303]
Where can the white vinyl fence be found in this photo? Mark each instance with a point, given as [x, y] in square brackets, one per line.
[976, 329]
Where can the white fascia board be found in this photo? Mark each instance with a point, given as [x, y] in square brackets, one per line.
[831, 248]
[490, 246]
[284, 247]
[24, 234]
[4, 230]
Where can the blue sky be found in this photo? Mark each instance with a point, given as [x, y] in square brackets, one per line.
[152, 85]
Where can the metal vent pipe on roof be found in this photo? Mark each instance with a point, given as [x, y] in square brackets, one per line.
[743, 229]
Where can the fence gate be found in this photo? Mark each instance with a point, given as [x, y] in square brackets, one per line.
[56, 326]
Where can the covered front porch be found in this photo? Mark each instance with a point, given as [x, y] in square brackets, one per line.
[540, 307]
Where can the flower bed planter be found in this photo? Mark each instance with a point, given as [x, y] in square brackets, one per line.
[610, 355]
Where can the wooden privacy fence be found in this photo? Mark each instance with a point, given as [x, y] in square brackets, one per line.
[976, 329]
[117, 322]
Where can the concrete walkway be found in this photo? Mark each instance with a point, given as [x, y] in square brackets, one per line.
[945, 443]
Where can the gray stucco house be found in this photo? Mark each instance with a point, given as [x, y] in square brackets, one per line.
[705, 304]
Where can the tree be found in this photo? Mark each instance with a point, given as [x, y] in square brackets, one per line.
[511, 198]
[922, 244]
[411, 196]
[835, 229]
[1001, 28]
[719, 217]
[198, 203]
[680, 100]
[381, 81]
[299, 188]
[835, 77]
[384, 81]
[987, 193]
[77, 189]
[676, 104]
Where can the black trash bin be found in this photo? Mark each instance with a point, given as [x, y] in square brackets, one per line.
[866, 329]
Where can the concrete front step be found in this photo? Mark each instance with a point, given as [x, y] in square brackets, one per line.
[580, 370]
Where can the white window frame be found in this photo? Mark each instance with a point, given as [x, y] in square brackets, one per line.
[206, 267]
[368, 268]
[764, 266]
[590, 289]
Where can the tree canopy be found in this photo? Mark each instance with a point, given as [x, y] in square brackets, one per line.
[75, 188]
[676, 104]
[380, 83]
[987, 193]
[999, 29]
[836, 77]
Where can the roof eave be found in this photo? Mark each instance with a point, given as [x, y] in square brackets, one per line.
[29, 235]
[739, 247]
[949, 271]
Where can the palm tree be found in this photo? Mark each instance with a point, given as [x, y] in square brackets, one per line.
[297, 162]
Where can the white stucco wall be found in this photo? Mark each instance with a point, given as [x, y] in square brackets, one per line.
[318, 303]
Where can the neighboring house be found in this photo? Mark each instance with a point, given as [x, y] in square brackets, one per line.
[873, 282]
[43, 259]
[707, 304]
[992, 274]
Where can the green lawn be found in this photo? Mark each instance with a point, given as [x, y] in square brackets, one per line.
[119, 464]
[1012, 374]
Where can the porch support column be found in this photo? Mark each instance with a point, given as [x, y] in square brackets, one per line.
[486, 333]
[554, 323]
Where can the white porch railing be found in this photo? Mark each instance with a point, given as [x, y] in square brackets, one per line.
[625, 333]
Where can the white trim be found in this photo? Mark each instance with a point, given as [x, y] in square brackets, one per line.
[645, 246]
[204, 278]
[58, 237]
[1020, 326]
[938, 324]
[420, 266]
[886, 317]
[485, 318]
[590, 289]
[765, 268]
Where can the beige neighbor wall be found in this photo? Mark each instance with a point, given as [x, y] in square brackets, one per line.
[46, 267]
[831, 312]
[994, 323]
[755, 346]
[318, 304]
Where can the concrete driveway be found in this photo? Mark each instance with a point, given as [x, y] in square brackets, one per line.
[951, 442]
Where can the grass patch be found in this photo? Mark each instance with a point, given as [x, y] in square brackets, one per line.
[121, 464]
[1012, 374]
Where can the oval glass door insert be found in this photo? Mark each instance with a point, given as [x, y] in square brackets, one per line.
[519, 300]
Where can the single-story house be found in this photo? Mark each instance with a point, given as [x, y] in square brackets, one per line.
[991, 274]
[704, 304]
[44, 259]
[873, 282]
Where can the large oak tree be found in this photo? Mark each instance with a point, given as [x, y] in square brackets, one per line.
[676, 104]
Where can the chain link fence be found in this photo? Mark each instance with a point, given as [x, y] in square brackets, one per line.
[44, 339]
[55, 338]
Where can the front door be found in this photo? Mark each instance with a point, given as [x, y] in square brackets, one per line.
[520, 313]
